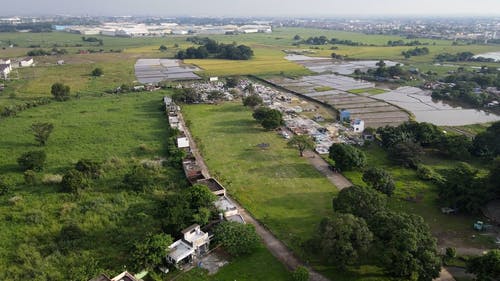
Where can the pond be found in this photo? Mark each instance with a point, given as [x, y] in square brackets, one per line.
[425, 109]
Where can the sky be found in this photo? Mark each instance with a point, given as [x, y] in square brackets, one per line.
[250, 7]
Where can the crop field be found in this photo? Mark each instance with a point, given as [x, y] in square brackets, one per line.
[374, 112]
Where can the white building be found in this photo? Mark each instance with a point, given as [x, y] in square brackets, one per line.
[358, 125]
[26, 62]
[194, 243]
[5, 70]
[182, 142]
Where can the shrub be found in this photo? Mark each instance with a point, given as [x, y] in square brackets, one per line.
[4, 187]
[300, 274]
[238, 239]
[74, 181]
[89, 168]
[29, 177]
[32, 160]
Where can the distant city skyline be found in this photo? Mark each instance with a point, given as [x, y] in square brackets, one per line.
[236, 8]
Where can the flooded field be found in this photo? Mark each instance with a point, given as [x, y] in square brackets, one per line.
[375, 113]
[420, 103]
[492, 55]
[320, 65]
[156, 70]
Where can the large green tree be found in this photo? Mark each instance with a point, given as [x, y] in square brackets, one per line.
[380, 180]
[139, 178]
[486, 267]
[346, 156]
[60, 91]
[405, 246]
[343, 238]
[74, 181]
[363, 202]
[236, 238]
[151, 251]
[252, 101]
[42, 132]
[487, 144]
[302, 142]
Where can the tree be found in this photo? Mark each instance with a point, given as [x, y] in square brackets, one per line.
[268, 118]
[297, 37]
[406, 153]
[232, 82]
[252, 101]
[302, 142]
[456, 146]
[215, 96]
[486, 267]
[360, 201]
[32, 160]
[60, 91]
[150, 252]
[74, 181]
[300, 274]
[200, 196]
[343, 238]
[236, 238]
[69, 236]
[380, 180]
[139, 178]
[42, 132]
[163, 48]
[487, 144]
[29, 177]
[463, 189]
[347, 157]
[405, 246]
[97, 72]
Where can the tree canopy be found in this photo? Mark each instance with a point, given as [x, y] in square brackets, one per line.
[380, 180]
[269, 118]
[252, 100]
[60, 91]
[360, 201]
[346, 156]
[302, 142]
[236, 238]
[32, 160]
[42, 132]
[151, 251]
[486, 267]
[343, 238]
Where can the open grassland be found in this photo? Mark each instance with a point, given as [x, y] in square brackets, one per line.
[451, 230]
[108, 129]
[120, 131]
[278, 187]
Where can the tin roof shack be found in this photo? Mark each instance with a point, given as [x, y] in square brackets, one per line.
[192, 170]
[194, 243]
[214, 186]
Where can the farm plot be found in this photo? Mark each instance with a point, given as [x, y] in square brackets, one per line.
[375, 112]
[156, 70]
[320, 65]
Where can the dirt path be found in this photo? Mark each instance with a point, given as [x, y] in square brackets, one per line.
[444, 275]
[322, 166]
[273, 244]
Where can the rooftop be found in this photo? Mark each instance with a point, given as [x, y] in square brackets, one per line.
[179, 250]
[223, 203]
[212, 184]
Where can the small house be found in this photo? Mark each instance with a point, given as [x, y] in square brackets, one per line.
[358, 125]
[26, 62]
[182, 142]
[4, 70]
[194, 243]
[60, 62]
[369, 134]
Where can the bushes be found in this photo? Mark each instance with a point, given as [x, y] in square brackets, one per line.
[347, 157]
[32, 160]
[269, 118]
[74, 182]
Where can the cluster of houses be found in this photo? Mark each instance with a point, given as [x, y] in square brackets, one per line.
[195, 242]
[324, 134]
[7, 65]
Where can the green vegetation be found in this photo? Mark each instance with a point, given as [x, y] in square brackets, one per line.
[347, 157]
[371, 91]
[280, 189]
[236, 238]
[323, 89]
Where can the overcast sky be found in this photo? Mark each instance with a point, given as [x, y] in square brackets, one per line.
[250, 7]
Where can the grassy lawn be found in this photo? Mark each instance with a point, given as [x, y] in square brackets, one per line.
[278, 187]
[261, 265]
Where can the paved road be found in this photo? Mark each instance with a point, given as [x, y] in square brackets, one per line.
[275, 246]
[321, 165]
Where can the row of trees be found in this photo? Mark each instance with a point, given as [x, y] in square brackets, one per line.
[323, 40]
[211, 48]
[363, 226]
[415, 52]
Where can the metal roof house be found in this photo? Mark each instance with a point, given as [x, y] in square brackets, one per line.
[194, 243]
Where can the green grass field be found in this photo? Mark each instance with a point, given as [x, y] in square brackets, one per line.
[278, 187]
